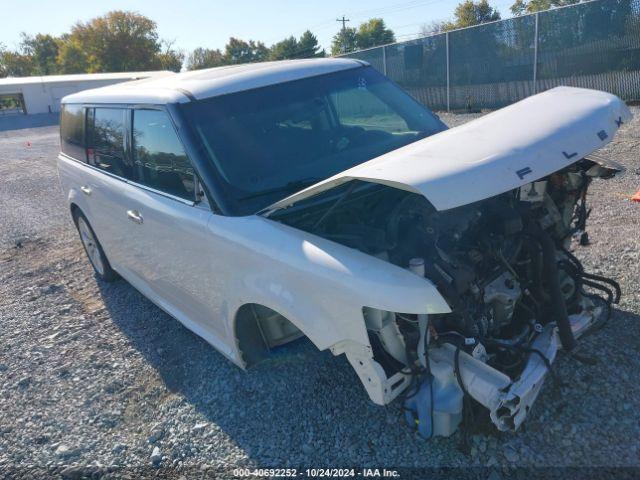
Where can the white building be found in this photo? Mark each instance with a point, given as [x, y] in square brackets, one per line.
[43, 94]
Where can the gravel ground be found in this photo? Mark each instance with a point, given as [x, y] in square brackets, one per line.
[95, 379]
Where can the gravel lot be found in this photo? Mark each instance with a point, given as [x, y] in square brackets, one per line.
[95, 379]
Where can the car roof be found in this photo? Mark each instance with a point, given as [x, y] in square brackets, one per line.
[211, 82]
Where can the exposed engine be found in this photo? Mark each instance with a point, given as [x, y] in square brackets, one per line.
[503, 265]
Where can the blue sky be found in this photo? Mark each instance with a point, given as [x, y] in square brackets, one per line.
[209, 23]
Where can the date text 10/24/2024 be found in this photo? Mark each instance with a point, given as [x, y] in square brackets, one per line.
[316, 472]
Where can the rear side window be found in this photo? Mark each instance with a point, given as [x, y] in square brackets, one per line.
[159, 156]
[106, 134]
[72, 131]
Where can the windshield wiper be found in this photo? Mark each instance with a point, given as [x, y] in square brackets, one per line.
[287, 187]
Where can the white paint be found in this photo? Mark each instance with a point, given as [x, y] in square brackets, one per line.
[202, 267]
[214, 81]
[481, 158]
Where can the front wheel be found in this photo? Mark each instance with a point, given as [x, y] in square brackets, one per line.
[94, 250]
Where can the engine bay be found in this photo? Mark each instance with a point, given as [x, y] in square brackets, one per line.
[504, 265]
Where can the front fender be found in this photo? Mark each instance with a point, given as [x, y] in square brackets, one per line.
[319, 285]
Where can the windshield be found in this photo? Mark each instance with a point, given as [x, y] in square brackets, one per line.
[270, 142]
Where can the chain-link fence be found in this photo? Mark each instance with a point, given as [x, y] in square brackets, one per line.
[593, 45]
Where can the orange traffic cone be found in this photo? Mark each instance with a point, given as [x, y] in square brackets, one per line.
[636, 197]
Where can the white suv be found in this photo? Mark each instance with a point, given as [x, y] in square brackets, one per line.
[260, 203]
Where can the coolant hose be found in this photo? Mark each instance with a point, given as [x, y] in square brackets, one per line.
[558, 305]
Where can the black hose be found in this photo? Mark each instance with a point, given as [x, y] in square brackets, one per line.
[467, 407]
[557, 303]
[530, 350]
[602, 288]
[576, 270]
[592, 276]
[616, 286]
[537, 265]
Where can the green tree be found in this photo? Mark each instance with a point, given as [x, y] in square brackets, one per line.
[43, 50]
[239, 51]
[470, 13]
[369, 34]
[287, 48]
[71, 56]
[344, 41]
[373, 33]
[522, 7]
[204, 58]
[472, 46]
[116, 42]
[308, 46]
[170, 58]
[14, 64]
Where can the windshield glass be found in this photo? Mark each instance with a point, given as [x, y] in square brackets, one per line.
[270, 142]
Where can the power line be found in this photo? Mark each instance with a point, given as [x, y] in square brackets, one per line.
[391, 8]
[397, 7]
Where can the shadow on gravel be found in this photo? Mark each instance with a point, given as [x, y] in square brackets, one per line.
[302, 406]
[297, 406]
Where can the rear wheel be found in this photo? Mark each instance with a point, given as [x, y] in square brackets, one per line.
[94, 250]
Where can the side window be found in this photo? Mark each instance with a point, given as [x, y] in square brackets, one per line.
[106, 132]
[72, 131]
[159, 156]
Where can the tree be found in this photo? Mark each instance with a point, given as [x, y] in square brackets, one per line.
[472, 47]
[14, 64]
[469, 13]
[170, 58]
[344, 41]
[369, 34]
[239, 51]
[373, 33]
[43, 50]
[36, 55]
[287, 48]
[522, 7]
[71, 56]
[308, 46]
[116, 42]
[204, 58]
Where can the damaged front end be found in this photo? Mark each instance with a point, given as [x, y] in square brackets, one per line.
[503, 264]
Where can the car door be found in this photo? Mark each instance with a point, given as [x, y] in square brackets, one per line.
[107, 190]
[174, 252]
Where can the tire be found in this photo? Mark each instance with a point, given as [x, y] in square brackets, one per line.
[93, 249]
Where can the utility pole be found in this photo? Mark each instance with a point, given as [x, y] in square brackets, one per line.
[344, 21]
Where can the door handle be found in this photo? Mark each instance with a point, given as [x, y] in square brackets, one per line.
[86, 190]
[134, 216]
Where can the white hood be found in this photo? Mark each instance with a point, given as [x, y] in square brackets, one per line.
[494, 153]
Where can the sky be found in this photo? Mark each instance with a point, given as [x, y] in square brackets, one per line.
[209, 23]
